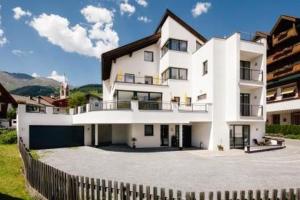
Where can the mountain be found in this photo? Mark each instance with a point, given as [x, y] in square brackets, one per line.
[35, 90]
[89, 88]
[13, 81]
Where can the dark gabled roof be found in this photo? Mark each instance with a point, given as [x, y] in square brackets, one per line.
[168, 13]
[108, 57]
[7, 97]
[283, 17]
[259, 35]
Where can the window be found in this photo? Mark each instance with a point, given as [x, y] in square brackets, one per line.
[205, 68]
[177, 99]
[288, 91]
[148, 56]
[201, 97]
[129, 78]
[175, 73]
[295, 118]
[198, 45]
[276, 119]
[188, 101]
[149, 80]
[173, 44]
[149, 130]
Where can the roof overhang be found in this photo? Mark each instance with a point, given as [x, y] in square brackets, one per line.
[108, 57]
[283, 17]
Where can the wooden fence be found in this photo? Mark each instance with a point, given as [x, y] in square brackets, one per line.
[55, 184]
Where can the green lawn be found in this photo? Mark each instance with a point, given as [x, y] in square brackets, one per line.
[12, 183]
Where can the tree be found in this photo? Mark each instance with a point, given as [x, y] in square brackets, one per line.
[77, 99]
[11, 114]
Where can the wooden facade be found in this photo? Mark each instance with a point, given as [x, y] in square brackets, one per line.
[5, 100]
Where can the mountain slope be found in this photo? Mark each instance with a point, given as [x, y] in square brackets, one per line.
[89, 88]
[35, 90]
[12, 81]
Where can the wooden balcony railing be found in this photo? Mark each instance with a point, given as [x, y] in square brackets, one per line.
[284, 53]
[291, 69]
[292, 32]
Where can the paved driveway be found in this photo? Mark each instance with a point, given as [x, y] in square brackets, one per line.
[192, 170]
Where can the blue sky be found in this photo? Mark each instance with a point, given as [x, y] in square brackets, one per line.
[68, 36]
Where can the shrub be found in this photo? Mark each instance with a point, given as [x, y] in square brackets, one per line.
[8, 137]
[283, 129]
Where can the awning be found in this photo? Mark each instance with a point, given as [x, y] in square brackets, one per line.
[271, 93]
[288, 90]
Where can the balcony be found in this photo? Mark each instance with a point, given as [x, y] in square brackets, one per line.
[248, 110]
[292, 50]
[132, 79]
[285, 71]
[292, 32]
[249, 74]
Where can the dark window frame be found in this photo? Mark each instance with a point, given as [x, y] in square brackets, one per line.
[204, 68]
[177, 99]
[152, 56]
[149, 77]
[202, 97]
[128, 74]
[174, 45]
[167, 74]
[146, 131]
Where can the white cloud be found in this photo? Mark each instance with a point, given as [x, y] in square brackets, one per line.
[19, 12]
[55, 76]
[35, 75]
[89, 42]
[3, 39]
[144, 19]
[126, 7]
[200, 8]
[19, 52]
[142, 2]
[97, 14]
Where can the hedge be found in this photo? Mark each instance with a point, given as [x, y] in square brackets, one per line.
[8, 137]
[283, 129]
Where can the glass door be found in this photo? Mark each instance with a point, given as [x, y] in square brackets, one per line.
[245, 70]
[164, 135]
[239, 136]
[245, 104]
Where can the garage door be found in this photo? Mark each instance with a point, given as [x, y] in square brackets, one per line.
[46, 137]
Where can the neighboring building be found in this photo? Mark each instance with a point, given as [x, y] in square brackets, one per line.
[172, 88]
[283, 68]
[7, 102]
[34, 104]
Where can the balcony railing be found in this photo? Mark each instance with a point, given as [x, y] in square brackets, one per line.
[35, 109]
[148, 80]
[292, 32]
[60, 110]
[155, 105]
[248, 110]
[290, 69]
[292, 50]
[250, 74]
[111, 105]
[194, 107]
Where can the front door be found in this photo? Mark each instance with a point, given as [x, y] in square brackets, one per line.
[164, 135]
[187, 136]
[245, 104]
[239, 136]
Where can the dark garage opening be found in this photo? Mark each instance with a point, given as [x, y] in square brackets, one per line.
[47, 137]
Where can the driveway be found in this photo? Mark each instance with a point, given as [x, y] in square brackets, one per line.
[190, 170]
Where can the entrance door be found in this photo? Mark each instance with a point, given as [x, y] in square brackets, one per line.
[239, 136]
[245, 104]
[187, 136]
[164, 135]
[245, 70]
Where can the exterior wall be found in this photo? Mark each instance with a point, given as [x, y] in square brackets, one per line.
[202, 133]
[120, 133]
[146, 141]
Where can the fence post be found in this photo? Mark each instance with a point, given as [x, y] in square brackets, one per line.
[109, 190]
[291, 194]
[250, 195]
[219, 195]
[211, 196]
[103, 189]
[148, 197]
[227, 195]
[178, 195]
[171, 194]
[234, 195]
[266, 194]
[98, 185]
[202, 196]
[128, 191]
[187, 196]
[298, 194]
[92, 189]
[115, 191]
[283, 194]
[122, 191]
[275, 194]
[141, 193]
[134, 192]
[162, 194]
[87, 188]
[242, 194]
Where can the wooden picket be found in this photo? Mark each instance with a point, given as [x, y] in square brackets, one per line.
[54, 184]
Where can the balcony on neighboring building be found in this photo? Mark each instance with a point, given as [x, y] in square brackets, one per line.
[284, 71]
[284, 53]
[292, 32]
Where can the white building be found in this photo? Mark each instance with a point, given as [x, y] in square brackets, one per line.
[172, 88]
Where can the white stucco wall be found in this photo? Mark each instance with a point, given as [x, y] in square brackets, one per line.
[201, 132]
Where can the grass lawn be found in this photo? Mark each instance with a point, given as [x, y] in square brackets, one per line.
[12, 183]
